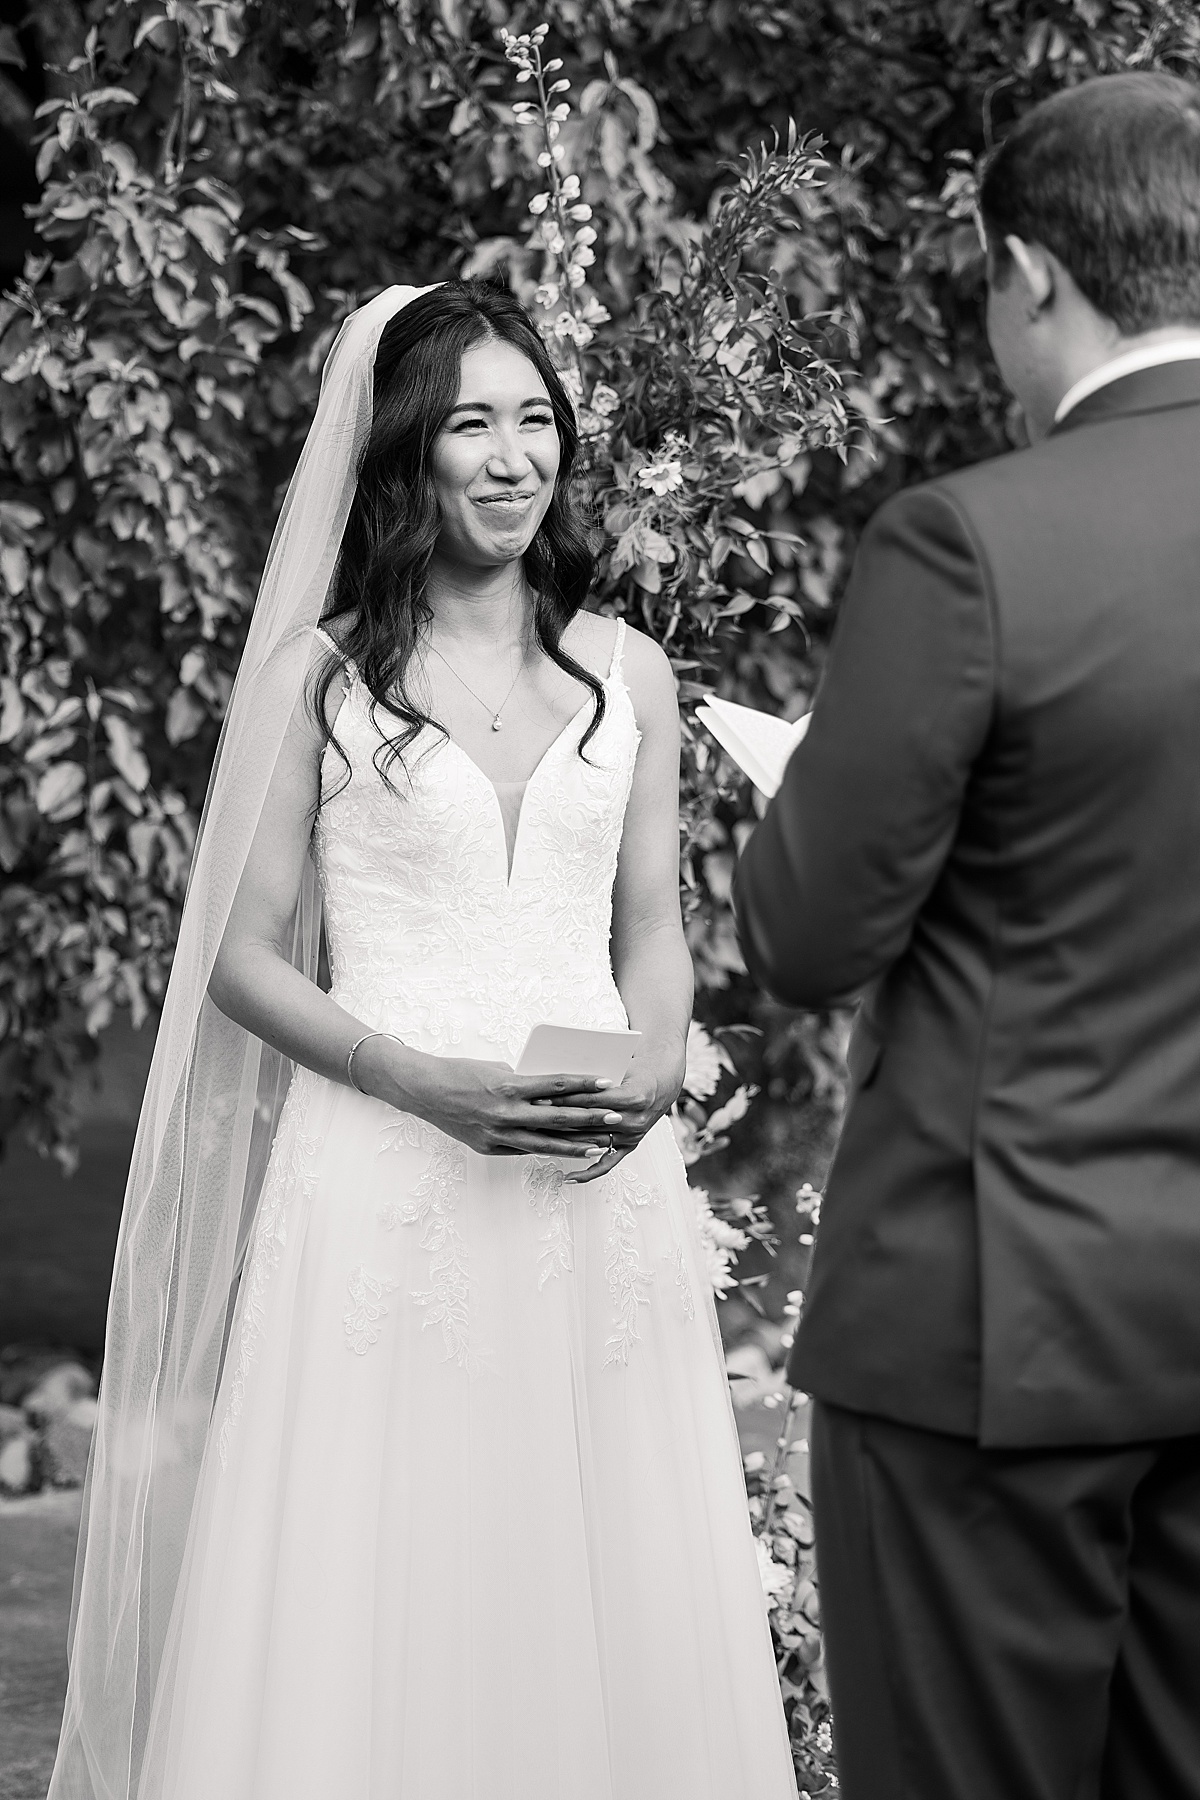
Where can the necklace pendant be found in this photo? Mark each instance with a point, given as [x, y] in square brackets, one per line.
[496, 723]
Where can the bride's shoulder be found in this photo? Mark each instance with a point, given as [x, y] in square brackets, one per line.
[645, 667]
[594, 642]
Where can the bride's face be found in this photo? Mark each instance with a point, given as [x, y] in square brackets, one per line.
[495, 459]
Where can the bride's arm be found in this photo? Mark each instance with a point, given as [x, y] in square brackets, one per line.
[651, 963]
[254, 982]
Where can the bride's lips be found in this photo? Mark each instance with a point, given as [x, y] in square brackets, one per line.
[514, 501]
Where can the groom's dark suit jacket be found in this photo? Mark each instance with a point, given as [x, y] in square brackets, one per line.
[992, 831]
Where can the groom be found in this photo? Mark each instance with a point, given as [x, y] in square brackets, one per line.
[992, 834]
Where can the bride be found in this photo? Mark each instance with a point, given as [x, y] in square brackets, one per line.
[416, 1476]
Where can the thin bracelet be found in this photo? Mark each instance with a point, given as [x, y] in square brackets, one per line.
[356, 1047]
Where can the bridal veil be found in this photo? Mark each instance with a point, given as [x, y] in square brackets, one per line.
[203, 1139]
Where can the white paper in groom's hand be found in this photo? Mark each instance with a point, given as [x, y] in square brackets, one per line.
[759, 742]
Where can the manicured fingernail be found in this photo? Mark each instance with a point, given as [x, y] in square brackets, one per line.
[604, 1082]
[593, 1150]
[612, 1118]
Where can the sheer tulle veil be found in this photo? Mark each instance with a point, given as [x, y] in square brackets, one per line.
[211, 1104]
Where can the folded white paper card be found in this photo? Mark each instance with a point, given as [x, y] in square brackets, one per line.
[570, 1050]
[759, 742]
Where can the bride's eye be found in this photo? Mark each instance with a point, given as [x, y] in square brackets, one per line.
[470, 424]
[540, 419]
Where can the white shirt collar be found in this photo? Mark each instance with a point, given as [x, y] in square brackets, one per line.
[1167, 350]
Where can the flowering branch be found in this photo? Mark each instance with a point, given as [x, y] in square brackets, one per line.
[563, 219]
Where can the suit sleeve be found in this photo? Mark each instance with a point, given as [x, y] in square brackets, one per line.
[830, 884]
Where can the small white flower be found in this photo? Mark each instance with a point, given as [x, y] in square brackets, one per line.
[553, 238]
[548, 294]
[605, 400]
[583, 256]
[776, 1579]
[570, 187]
[543, 155]
[582, 211]
[539, 203]
[570, 379]
[564, 326]
[662, 476]
[721, 1242]
[576, 276]
[703, 1061]
[588, 234]
[583, 334]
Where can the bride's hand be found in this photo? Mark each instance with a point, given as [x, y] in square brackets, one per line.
[492, 1110]
[649, 1090]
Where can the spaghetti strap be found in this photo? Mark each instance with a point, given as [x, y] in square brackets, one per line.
[349, 669]
[614, 667]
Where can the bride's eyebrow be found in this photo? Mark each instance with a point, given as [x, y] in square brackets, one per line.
[485, 406]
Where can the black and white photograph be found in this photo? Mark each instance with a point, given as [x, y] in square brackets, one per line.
[599, 900]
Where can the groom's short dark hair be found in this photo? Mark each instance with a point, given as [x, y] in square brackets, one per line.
[1106, 176]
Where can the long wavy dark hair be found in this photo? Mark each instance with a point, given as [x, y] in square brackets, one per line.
[378, 601]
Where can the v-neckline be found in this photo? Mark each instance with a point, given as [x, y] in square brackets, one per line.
[511, 862]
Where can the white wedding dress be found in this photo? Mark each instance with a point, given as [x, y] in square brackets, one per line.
[472, 1523]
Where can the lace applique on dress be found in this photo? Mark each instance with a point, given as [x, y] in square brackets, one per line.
[683, 1281]
[543, 1179]
[292, 1172]
[366, 1309]
[627, 1276]
[432, 1204]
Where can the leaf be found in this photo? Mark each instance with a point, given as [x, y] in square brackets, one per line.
[210, 227]
[12, 709]
[19, 516]
[14, 567]
[185, 715]
[126, 753]
[148, 24]
[123, 161]
[735, 1108]
[59, 792]
[107, 96]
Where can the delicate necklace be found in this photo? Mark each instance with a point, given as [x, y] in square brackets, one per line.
[496, 719]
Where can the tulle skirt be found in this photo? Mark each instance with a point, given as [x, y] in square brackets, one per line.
[472, 1522]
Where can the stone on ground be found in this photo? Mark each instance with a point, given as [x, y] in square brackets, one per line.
[18, 1464]
[66, 1441]
[57, 1391]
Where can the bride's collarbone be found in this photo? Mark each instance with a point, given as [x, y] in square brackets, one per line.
[529, 728]
[532, 717]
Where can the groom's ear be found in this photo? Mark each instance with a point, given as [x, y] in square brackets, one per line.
[1035, 270]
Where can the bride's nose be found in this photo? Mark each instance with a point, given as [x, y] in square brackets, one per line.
[509, 459]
